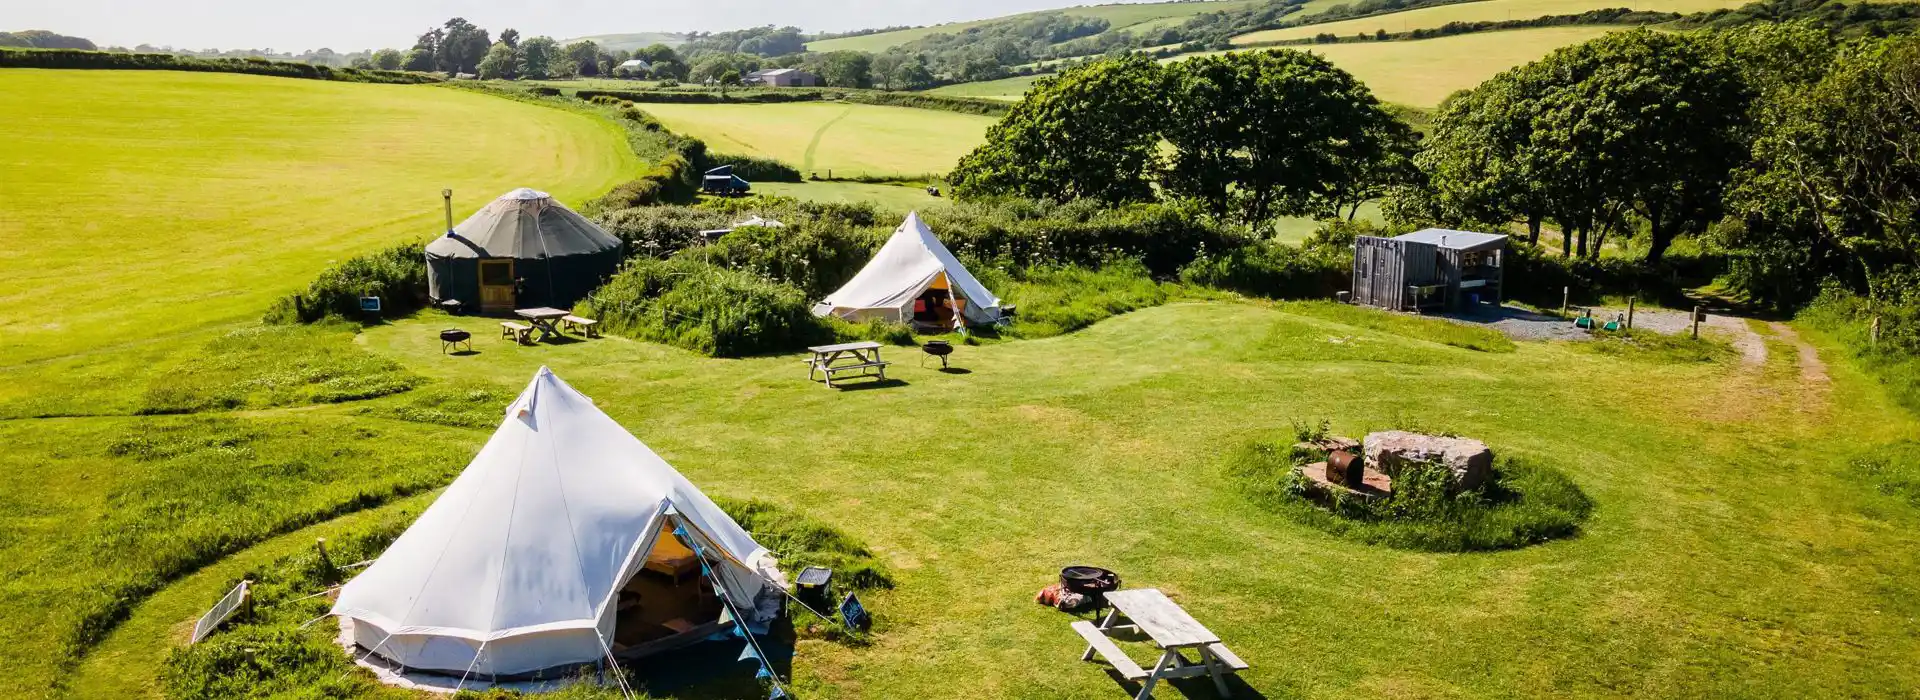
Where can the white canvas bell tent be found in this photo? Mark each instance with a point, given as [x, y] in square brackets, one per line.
[911, 263]
[524, 564]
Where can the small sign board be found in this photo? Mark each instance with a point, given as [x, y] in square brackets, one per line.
[222, 610]
[854, 615]
[370, 304]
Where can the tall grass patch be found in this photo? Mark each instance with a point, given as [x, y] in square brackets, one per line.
[189, 491]
[264, 366]
[1883, 337]
[1524, 503]
[1053, 300]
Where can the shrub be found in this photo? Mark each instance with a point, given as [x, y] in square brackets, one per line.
[921, 100]
[706, 97]
[816, 257]
[660, 231]
[1270, 269]
[755, 168]
[545, 91]
[1893, 358]
[1163, 237]
[707, 309]
[1523, 504]
[398, 275]
[671, 181]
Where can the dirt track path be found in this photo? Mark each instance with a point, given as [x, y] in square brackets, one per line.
[1812, 368]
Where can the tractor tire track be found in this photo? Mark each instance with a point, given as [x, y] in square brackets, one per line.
[806, 161]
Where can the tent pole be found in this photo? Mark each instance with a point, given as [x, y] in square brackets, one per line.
[959, 319]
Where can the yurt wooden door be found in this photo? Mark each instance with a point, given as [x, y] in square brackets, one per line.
[496, 285]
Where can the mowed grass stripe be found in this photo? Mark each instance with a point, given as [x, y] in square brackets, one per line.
[849, 139]
[143, 203]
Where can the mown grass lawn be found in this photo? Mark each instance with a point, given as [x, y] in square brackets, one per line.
[847, 139]
[139, 204]
[1732, 550]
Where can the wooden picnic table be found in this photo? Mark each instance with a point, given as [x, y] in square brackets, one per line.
[543, 319]
[1171, 628]
[846, 357]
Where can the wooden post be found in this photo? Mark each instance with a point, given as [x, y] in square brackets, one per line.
[1630, 304]
[1873, 333]
[246, 598]
[1566, 295]
[1696, 322]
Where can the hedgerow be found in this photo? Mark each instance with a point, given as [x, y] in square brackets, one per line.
[103, 60]
[755, 168]
[708, 309]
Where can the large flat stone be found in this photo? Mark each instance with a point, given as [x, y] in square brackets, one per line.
[1469, 461]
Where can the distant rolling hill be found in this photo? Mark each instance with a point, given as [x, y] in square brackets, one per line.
[1138, 16]
[629, 42]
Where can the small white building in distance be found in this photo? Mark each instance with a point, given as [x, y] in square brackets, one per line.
[633, 67]
[782, 77]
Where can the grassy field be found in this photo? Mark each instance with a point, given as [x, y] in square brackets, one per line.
[630, 42]
[1008, 89]
[1141, 16]
[1765, 567]
[848, 139]
[1422, 73]
[143, 204]
[1483, 11]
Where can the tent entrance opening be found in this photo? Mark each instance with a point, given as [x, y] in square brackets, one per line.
[939, 305]
[496, 285]
[668, 597]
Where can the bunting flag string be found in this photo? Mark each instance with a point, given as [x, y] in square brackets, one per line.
[753, 650]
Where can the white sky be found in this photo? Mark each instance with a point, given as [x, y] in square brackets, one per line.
[350, 25]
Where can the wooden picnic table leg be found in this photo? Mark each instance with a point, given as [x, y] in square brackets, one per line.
[1213, 669]
[1105, 624]
[1166, 661]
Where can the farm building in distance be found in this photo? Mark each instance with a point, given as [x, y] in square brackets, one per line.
[782, 77]
[1430, 269]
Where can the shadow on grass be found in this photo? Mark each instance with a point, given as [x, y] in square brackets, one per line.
[955, 370]
[864, 386]
[464, 353]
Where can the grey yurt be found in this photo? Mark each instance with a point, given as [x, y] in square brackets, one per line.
[523, 250]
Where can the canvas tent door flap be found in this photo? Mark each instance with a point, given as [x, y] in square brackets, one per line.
[557, 546]
[913, 278]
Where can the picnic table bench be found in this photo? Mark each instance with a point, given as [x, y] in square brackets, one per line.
[519, 332]
[1171, 628]
[543, 319]
[582, 325]
[862, 357]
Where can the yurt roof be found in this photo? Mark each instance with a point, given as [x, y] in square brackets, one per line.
[524, 224]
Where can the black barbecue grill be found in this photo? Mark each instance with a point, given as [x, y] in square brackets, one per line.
[937, 348]
[453, 337]
[1091, 581]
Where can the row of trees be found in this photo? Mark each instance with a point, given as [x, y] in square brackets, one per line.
[1799, 153]
[1254, 136]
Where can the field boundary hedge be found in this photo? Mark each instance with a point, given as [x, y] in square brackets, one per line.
[916, 100]
[1620, 16]
[104, 60]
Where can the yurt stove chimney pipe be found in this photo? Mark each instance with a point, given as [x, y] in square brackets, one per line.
[447, 194]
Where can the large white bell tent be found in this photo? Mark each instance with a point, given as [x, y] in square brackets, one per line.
[564, 541]
[913, 278]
